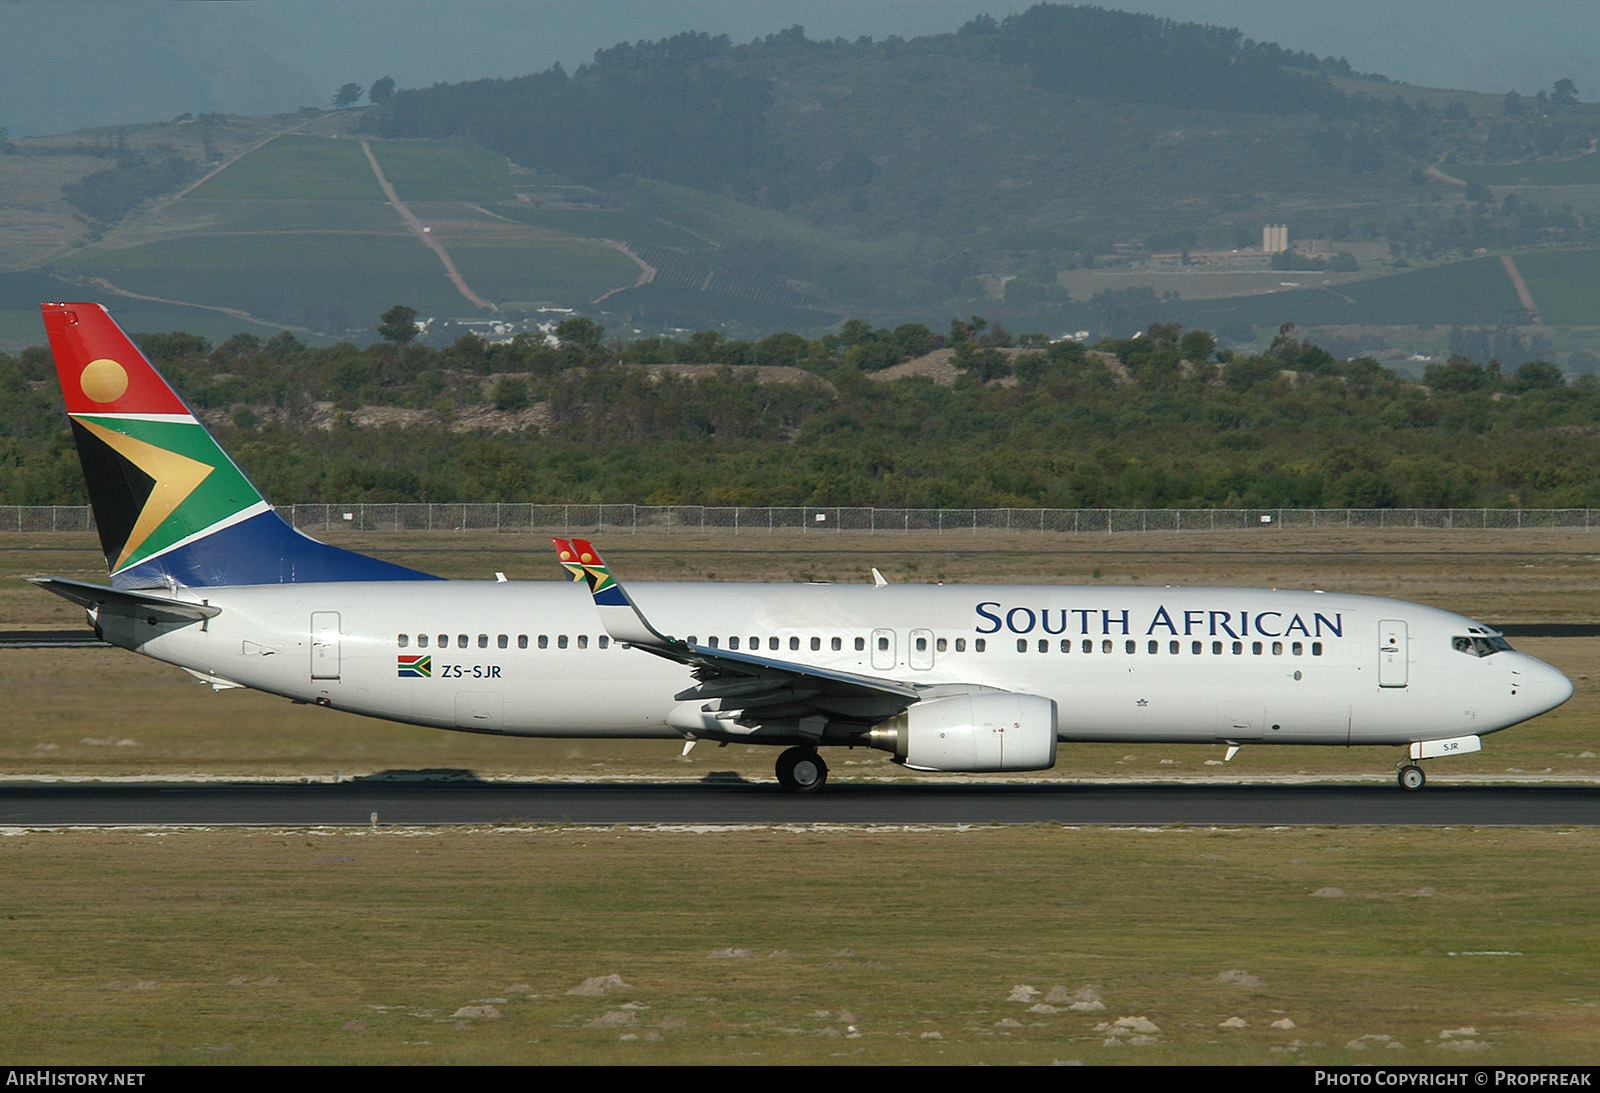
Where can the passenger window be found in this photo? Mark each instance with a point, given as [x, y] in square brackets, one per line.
[1238, 648]
[1066, 645]
[1255, 647]
[403, 640]
[1088, 645]
[605, 642]
[1316, 648]
[816, 644]
[583, 641]
[1105, 646]
[733, 643]
[561, 641]
[794, 644]
[1216, 648]
[940, 645]
[837, 644]
[711, 641]
[544, 641]
[861, 643]
[444, 641]
[922, 645]
[1277, 648]
[1298, 649]
[1044, 645]
[483, 641]
[979, 645]
[1155, 646]
[1130, 646]
[422, 641]
[502, 641]
[961, 645]
[461, 641]
[522, 641]
[1174, 647]
[1194, 650]
[772, 643]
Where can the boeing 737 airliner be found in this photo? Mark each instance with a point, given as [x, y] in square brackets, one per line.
[206, 576]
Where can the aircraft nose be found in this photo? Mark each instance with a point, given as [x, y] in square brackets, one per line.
[1546, 687]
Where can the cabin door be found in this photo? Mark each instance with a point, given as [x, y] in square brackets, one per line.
[1394, 653]
[324, 645]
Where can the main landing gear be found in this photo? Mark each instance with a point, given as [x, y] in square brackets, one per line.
[1411, 777]
[801, 770]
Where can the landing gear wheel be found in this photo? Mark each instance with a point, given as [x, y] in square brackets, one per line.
[1412, 778]
[801, 770]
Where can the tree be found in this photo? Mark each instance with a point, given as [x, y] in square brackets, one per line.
[381, 91]
[1566, 93]
[348, 95]
[398, 324]
[581, 333]
[511, 393]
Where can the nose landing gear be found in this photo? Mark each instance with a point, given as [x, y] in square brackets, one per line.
[1411, 777]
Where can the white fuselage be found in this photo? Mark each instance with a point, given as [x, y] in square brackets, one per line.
[1200, 665]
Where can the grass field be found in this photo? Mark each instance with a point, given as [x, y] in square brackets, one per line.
[441, 171]
[1565, 285]
[605, 224]
[249, 239]
[284, 277]
[294, 167]
[1475, 291]
[979, 945]
[22, 293]
[1582, 171]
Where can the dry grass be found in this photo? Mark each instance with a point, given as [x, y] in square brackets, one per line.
[803, 945]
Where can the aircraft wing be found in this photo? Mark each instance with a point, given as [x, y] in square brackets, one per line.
[755, 688]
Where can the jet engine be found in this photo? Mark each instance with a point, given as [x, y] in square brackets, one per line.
[989, 731]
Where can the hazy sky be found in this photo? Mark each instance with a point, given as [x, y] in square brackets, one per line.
[74, 63]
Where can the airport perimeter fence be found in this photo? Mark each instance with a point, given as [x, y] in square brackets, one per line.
[610, 519]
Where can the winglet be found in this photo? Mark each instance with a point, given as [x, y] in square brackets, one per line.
[618, 613]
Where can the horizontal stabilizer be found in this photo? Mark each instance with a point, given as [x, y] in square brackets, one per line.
[98, 598]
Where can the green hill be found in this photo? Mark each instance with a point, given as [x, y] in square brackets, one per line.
[1030, 168]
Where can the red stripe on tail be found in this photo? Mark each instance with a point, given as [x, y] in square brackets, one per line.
[101, 371]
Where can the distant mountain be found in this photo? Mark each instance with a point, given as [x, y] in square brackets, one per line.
[1014, 149]
[103, 62]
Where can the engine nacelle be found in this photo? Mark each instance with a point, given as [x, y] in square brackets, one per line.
[975, 733]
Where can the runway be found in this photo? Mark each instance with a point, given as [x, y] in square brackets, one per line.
[392, 803]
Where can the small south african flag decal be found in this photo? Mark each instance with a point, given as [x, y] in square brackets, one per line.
[415, 666]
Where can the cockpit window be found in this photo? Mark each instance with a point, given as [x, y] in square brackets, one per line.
[1476, 646]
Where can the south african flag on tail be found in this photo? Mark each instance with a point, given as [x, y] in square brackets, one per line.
[170, 506]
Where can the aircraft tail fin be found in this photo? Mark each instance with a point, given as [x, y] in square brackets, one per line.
[170, 506]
